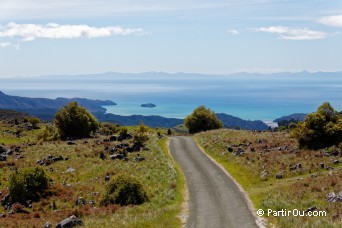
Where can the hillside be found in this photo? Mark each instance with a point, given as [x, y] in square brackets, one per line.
[295, 116]
[45, 109]
[235, 122]
[79, 171]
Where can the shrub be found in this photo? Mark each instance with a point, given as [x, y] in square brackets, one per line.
[202, 119]
[320, 129]
[124, 190]
[27, 184]
[75, 121]
[108, 128]
[141, 135]
[34, 121]
[49, 133]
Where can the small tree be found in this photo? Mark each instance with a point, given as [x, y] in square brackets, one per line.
[141, 135]
[202, 119]
[320, 129]
[75, 121]
[27, 184]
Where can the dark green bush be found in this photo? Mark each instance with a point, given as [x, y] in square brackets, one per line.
[75, 121]
[202, 119]
[27, 184]
[125, 190]
[320, 129]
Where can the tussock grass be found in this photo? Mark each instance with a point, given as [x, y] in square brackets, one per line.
[299, 189]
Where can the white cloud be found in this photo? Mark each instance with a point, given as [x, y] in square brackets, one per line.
[287, 33]
[233, 32]
[9, 44]
[334, 21]
[29, 32]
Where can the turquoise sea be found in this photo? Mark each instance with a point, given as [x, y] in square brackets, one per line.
[248, 96]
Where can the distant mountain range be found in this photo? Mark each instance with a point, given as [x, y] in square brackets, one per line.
[45, 109]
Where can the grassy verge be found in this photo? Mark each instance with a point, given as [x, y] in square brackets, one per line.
[163, 182]
[275, 153]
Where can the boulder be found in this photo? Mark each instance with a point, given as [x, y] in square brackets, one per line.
[3, 157]
[310, 209]
[70, 222]
[112, 138]
[230, 149]
[116, 156]
[335, 161]
[279, 176]
[47, 225]
[295, 167]
[138, 159]
[107, 178]
[331, 197]
[80, 201]
[2, 149]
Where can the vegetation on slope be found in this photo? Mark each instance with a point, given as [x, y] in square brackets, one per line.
[278, 175]
[79, 171]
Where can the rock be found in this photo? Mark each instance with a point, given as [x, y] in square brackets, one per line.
[107, 178]
[125, 159]
[70, 222]
[321, 165]
[49, 160]
[102, 156]
[264, 175]
[230, 149]
[6, 200]
[116, 156]
[329, 168]
[339, 196]
[2, 216]
[2, 149]
[80, 201]
[129, 149]
[9, 152]
[259, 141]
[112, 138]
[335, 161]
[71, 143]
[92, 202]
[71, 170]
[295, 167]
[47, 225]
[279, 176]
[3, 157]
[113, 149]
[331, 197]
[138, 159]
[310, 209]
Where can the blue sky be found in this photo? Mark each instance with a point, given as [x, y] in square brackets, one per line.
[39, 37]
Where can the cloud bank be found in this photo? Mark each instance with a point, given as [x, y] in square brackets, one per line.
[287, 33]
[30, 32]
[334, 21]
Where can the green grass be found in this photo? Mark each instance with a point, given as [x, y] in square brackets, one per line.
[158, 174]
[298, 190]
